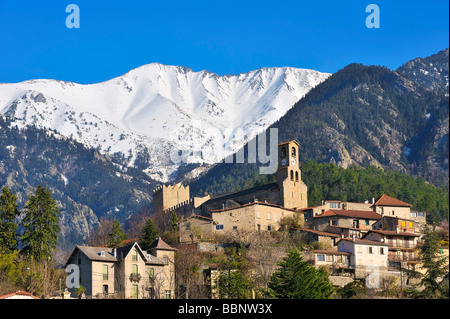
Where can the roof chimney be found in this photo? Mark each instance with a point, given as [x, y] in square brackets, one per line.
[373, 200]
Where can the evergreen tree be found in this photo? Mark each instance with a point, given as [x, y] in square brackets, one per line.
[8, 225]
[117, 234]
[433, 282]
[149, 234]
[40, 225]
[236, 280]
[297, 279]
[174, 221]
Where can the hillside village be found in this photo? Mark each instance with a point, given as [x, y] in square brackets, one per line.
[370, 242]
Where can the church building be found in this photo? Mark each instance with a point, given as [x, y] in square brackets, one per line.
[260, 208]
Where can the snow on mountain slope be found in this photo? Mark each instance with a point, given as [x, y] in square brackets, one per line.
[156, 110]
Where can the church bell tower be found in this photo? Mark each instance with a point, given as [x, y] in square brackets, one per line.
[293, 192]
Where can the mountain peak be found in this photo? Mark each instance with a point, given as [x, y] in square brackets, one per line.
[157, 109]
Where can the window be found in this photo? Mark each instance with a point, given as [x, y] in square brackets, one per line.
[219, 227]
[268, 216]
[293, 152]
[296, 176]
[320, 257]
[167, 294]
[413, 214]
[283, 152]
[151, 274]
[329, 258]
[134, 255]
[411, 225]
[135, 291]
[134, 268]
[105, 272]
[234, 227]
[334, 205]
[381, 250]
[420, 214]
[369, 250]
[269, 228]
[292, 175]
[403, 223]
[359, 249]
[366, 222]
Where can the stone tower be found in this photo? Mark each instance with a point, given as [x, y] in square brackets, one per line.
[293, 192]
[165, 197]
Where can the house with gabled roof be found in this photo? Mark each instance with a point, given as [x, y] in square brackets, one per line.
[356, 219]
[402, 246]
[125, 272]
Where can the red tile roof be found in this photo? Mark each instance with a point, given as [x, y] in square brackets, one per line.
[393, 233]
[386, 200]
[366, 214]
[363, 241]
[317, 232]
[330, 252]
[18, 293]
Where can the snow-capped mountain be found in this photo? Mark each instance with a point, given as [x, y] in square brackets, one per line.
[156, 112]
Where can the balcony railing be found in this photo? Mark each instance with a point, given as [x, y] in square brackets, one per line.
[135, 277]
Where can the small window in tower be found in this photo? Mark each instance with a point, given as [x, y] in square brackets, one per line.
[296, 176]
[292, 175]
[293, 153]
[283, 152]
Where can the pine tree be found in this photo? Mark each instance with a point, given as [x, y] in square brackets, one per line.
[149, 234]
[297, 279]
[40, 225]
[117, 234]
[8, 225]
[433, 282]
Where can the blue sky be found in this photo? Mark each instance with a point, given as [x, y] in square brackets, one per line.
[227, 37]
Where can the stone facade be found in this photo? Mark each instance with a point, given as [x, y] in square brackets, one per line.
[260, 208]
[125, 272]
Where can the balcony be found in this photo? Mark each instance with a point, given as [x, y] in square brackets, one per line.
[135, 277]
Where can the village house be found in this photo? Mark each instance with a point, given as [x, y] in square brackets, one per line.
[360, 220]
[402, 247]
[125, 272]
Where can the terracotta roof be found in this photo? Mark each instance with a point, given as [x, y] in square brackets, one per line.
[330, 252]
[386, 200]
[366, 214]
[363, 241]
[393, 233]
[195, 216]
[18, 293]
[250, 204]
[317, 232]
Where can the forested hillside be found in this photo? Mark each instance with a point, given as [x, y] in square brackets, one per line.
[86, 184]
[355, 184]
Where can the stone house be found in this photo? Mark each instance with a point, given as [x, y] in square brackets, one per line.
[327, 239]
[125, 272]
[195, 228]
[366, 256]
[256, 216]
[356, 219]
[310, 212]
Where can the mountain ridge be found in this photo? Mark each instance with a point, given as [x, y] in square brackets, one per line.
[149, 110]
